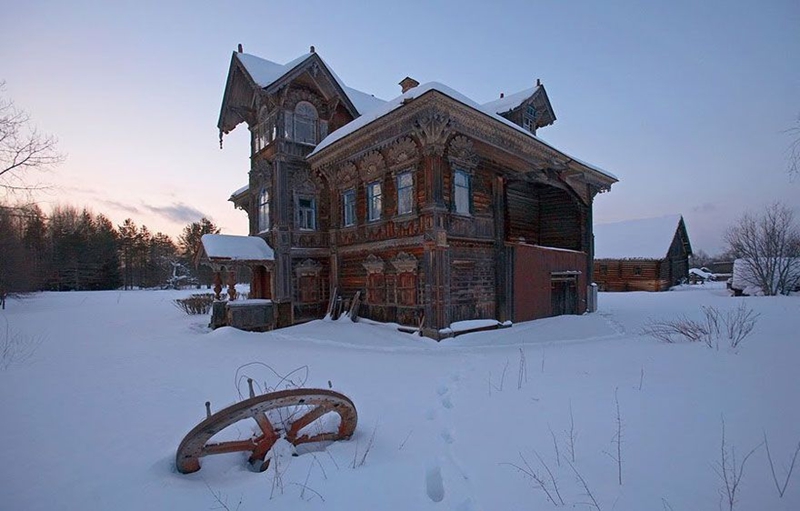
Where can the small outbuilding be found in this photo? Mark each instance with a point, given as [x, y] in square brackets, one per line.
[650, 254]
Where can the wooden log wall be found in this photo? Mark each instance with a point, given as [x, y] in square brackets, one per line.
[631, 274]
[472, 281]
[353, 278]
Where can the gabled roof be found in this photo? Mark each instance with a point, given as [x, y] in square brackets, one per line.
[269, 75]
[645, 238]
[418, 91]
[513, 101]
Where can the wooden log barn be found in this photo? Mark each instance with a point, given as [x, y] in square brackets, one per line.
[431, 207]
[650, 254]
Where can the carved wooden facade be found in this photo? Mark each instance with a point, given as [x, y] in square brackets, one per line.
[433, 211]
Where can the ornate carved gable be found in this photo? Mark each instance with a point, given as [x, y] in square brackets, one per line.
[404, 262]
[373, 264]
[432, 127]
[461, 152]
[402, 153]
[297, 94]
[372, 166]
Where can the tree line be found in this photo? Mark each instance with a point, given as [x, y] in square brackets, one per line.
[76, 249]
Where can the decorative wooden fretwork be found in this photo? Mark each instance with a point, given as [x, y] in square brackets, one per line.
[296, 95]
[402, 154]
[373, 264]
[347, 176]
[372, 166]
[432, 127]
[302, 182]
[404, 262]
[461, 153]
[308, 268]
[261, 171]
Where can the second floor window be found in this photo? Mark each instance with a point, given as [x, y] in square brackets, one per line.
[374, 201]
[302, 126]
[405, 193]
[263, 210]
[461, 193]
[349, 208]
[306, 213]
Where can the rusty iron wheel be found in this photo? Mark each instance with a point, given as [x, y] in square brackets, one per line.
[309, 404]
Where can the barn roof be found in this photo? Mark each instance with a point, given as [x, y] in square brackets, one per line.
[645, 238]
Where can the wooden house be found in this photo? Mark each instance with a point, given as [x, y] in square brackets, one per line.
[649, 254]
[433, 208]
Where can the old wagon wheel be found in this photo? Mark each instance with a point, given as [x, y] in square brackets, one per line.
[286, 413]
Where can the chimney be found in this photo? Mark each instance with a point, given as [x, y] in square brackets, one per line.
[312, 50]
[408, 83]
[538, 82]
[502, 95]
[240, 49]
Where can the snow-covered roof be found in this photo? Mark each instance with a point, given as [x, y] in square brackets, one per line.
[510, 102]
[645, 238]
[236, 248]
[240, 191]
[389, 106]
[265, 72]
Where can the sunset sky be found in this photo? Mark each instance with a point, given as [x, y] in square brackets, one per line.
[686, 102]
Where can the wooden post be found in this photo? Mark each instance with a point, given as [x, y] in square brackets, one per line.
[217, 285]
[231, 285]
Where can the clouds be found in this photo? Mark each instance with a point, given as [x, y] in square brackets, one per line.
[177, 212]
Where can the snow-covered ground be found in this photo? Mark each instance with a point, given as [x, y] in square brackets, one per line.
[92, 418]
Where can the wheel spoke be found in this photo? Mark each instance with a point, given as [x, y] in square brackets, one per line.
[223, 447]
[305, 420]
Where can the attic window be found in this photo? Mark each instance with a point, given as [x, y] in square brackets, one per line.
[531, 111]
[529, 119]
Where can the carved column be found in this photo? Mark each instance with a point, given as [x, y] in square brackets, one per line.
[282, 232]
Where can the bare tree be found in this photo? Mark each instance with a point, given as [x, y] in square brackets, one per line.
[794, 149]
[769, 246]
[22, 148]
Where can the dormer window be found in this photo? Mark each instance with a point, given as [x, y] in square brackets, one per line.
[529, 119]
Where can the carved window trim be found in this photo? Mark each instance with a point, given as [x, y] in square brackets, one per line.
[376, 279]
[406, 280]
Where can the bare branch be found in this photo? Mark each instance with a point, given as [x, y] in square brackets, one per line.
[781, 489]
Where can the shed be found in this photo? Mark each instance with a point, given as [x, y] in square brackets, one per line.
[649, 254]
[225, 252]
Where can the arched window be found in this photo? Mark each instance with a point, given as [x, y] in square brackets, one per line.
[305, 123]
[263, 210]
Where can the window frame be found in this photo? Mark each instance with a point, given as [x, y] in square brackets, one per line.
[468, 190]
[402, 190]
[307, 121]
[300, 210]
[349, 208]
[374, 213]
[262, 210]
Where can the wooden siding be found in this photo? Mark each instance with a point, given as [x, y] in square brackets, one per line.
[472, 281]
[533, 279]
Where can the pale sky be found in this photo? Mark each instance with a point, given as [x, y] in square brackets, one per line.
[686, 102]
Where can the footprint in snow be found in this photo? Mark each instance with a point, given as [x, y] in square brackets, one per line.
[434, 485]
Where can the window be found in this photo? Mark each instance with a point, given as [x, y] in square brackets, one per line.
[305, 123]
[308, 288]
[263, 210]
[264, 133]
[461, 192]
[603, 269]
[637, 270]
[406, 288]
[374, 201]
[528, 120]
[405, 193]
[306, 213]
[349, 208]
